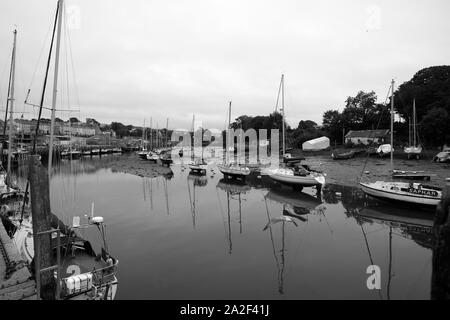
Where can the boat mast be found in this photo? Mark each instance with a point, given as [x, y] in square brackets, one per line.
[143, 136]
[11, 100]
[282, 106]
[55, 82]
[414, 121]
[228, 134]
[392, 126]
[192, 140]
[151, 135]
[166, 135]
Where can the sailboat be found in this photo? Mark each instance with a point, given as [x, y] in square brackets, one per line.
[412, 193]
[414, 149]
[299, 176]
[196, 165]
[82, 274]
[143, 152]
[233, 169]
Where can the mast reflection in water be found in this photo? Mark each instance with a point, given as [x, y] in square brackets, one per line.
[183, 236]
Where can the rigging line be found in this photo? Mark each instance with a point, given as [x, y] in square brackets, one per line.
[378, 124]
[40, 109]
[7, 103]
[73, 69]
[40, 55]
[278, 96]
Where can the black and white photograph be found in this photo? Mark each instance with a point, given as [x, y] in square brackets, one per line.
[224, 155]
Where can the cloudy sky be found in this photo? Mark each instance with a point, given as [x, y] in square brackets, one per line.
[132, 60]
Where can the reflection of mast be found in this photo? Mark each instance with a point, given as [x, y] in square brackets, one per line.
[240, 214]
[368, 250]
[390, 265]
[192, 203]
[280, 269]
[229, 223]
[166, 195]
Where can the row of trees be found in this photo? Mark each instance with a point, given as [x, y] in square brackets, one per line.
[429, 87]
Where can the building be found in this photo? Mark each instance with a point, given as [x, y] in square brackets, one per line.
[367, 137]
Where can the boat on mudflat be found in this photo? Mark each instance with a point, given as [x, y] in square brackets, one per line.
[342, 155]
[413, 193]
[289, 176]
[234, 170]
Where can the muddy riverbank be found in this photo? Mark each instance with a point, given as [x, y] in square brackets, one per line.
[348, 172]
[132, 164]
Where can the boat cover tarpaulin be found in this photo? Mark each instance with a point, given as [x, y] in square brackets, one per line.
[321, 143]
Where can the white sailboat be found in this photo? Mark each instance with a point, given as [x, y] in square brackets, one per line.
[413, 150]
[301, 175]
[232, 169]
[196, 165]
[413, 193]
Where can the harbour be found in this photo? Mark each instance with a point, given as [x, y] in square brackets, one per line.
[215, 235]
[180, 156]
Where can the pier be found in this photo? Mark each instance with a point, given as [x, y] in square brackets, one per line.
[15, 278]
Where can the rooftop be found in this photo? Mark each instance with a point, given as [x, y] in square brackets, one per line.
[367, 133]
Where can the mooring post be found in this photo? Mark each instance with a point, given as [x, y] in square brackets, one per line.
[440, 278]
[41, 217]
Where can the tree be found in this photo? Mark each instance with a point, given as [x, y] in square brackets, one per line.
[435, 127]
[430, 87]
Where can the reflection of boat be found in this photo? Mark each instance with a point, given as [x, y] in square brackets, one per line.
[302, 202]
[397, 216]
[199, 180]
[233, 187]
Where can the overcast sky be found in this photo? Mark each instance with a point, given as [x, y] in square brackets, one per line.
[137, 59]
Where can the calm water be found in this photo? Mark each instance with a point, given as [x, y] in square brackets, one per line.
[189, 237]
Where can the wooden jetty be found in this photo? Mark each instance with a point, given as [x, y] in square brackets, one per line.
[15, 278]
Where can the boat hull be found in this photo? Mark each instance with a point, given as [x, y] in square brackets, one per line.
[234, 172]
[285, 177]
[398, 196]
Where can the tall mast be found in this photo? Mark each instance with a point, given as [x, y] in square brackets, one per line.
[193, 138]
[143, 136]
[392, 126]
[414, 121]
[151, 135]
[11, 100]
[228, 133]
[282, 106]
[55, 82]
[166, 135]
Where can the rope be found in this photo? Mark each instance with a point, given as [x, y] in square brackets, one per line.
[378, 125]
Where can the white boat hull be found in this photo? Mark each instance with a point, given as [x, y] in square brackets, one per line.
[234, 171]
[287, 176]
[395, 191]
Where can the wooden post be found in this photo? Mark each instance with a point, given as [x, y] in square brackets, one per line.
[440, 278]
[41, 216]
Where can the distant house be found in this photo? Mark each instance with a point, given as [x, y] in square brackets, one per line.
[367, 136]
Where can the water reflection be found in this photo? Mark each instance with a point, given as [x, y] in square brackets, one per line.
[278, 243]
